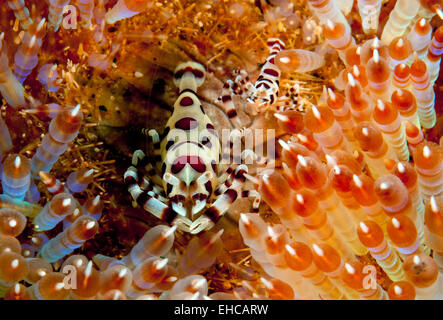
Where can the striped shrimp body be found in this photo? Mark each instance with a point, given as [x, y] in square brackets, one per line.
[265, 91]
[196, 189]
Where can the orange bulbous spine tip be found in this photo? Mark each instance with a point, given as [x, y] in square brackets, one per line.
[400, 49]
[354, 276]
[403, 234]
[278, 290]
[401, 76]
[422, 271]
[290, 121]
[428, 159]
[274, 188]
[17, 292]
[401, 290]
[298, 60]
